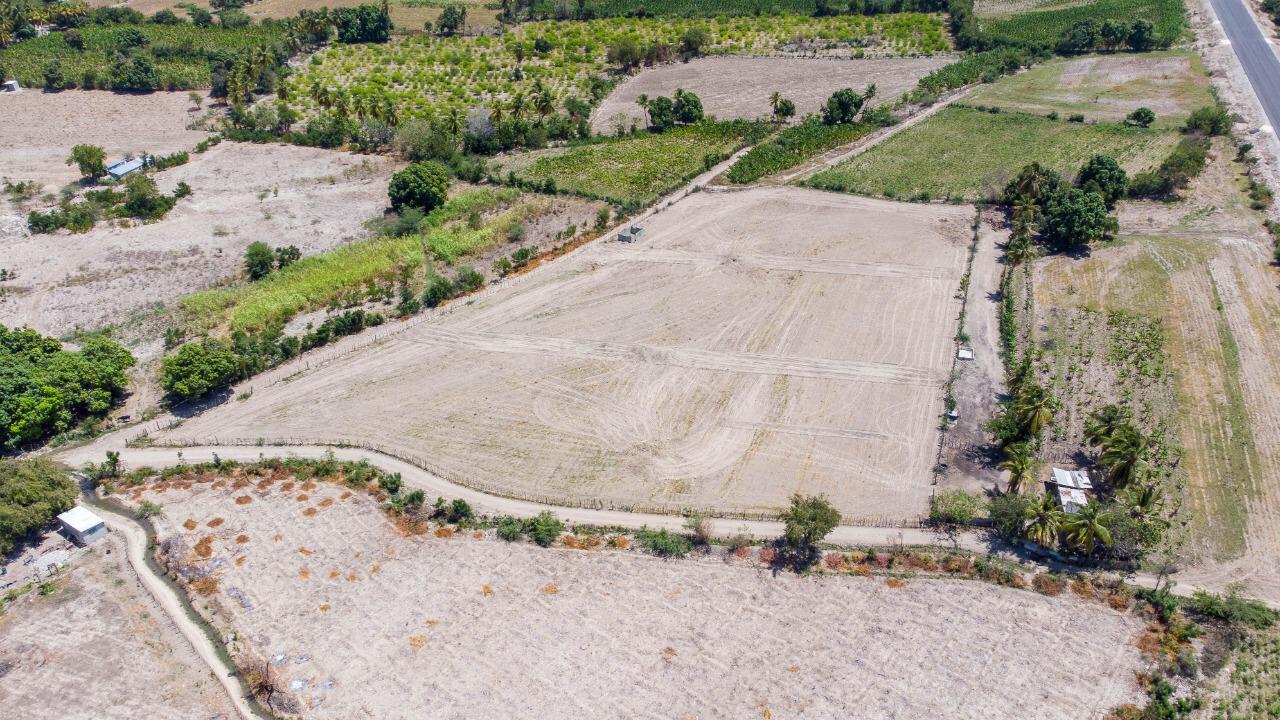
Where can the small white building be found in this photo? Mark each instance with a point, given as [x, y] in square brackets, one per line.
[10, 86]
[120, 168]
[82, 526]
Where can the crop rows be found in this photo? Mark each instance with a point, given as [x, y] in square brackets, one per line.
[792, 147]
[1048, 25]
[693, 8]
[427, 76]
[180, 52]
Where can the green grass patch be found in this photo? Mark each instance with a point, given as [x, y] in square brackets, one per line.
[689, 8]
[1046, 22]
[965, 154]
[180, 53]
[1106, 87]
[635, 170]
[318, 280]
[792, 147]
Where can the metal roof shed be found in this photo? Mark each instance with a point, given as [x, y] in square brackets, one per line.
[120, 168]
[83, 526]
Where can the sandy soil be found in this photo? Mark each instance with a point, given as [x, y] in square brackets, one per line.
[317, 579]
[756, 343]
[40, 128]
[403, 16]
[739, 87]
[283, 195]
[100, 648]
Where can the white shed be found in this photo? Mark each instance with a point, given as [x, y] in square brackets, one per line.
[83, 526]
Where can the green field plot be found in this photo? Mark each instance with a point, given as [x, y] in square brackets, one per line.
[634, 170]
[430, 76]
[180, 53]
[1044, 22]
[687, 8]
[1106, 87]
[965, 154]
[793, 146]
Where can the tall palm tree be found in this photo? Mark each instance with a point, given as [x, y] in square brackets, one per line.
[544, 102]
[643, 101]
[517, 105]
[1044, 522]
[1020, 249]
[1086, 529]
[1103, 423]
[496, 111]
[1124, 453]
[1021, 465]
[1034, 407]
[1145, 503]
[775, 100]
[454, 121]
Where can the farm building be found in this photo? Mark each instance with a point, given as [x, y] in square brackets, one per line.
[1072, 487]
[82, 526]
[631, 233]
[120, 168]
[9, 86]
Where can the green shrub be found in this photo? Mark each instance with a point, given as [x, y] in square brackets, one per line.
[954, 507]
[663, 543]
[422, 185]
[196, 369]
[1233, 607]
[32, 493]
[510, 529]
[544, 529]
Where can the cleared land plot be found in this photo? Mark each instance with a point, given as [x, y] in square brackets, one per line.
[1045, 22]
[636, 169]
[754, 344]
[1105, 87]
[100, 647]
[283, 195]
[328, 587]
[406, 15]
[968, 154]
[739, 87]
[40, 128]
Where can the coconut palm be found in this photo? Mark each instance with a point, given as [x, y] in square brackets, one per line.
[775, 100]
[454, 121]
[517, 105]
[1026, 214]
[544, 102]
[1086, 529]
[1044, 522]
[1020, 248]
[643, 101]
[496, 111]
[1034, 408]
[1021, 465]
[1103, 423]
[1124, 453]
[1145, 503]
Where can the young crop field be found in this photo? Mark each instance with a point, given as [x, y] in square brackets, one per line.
[963, 153]
[792, 147]
[634, 170]
[691, 8]
[1106, 87]
[315, 281]
[180, 53]
[432, 76]
[1045, 22]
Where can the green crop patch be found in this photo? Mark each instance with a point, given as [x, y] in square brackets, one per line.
[965, 154]
[792, 147]
[1045, 22]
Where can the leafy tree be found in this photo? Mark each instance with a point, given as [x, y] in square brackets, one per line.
[808, 520]
[694, 39]
[1209, 120]
[1080, 38]
[784, 110]
[954, 507]
[32, 493]
[198, 368]
[1142, 36]
[135, 73]
[662, 113]
[453, 19]
[422, 185]
[1044, 521]
[844, 105]
[55, 78]
[1142, 117]
[1074, 219]
[1008, 513]
[1087, 529]
[439, 289]
[544, 529]
[625, 53]
[362, 24]
[1114, 33]
[687, 107]
[91, 159]
[287, 255]
[143, 199]
[259, 260]
[1021, 466]
[1104, 176]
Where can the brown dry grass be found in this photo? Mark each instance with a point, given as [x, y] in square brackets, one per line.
[204, 548]
[215, 522]
[190, 524]
[205, 585]
[243, 500]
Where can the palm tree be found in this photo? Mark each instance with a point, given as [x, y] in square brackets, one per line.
[1020, 249]
[517, 105]
[774, 101]
[1034, 407]
[1103, 423]
[1145, 503]
[1044, 522]
[544, 102]
[496, 111]
[643, 102]
[1086, 528]
[454, 120]
[1026, 214]
[1021, 465]
[1124, 454]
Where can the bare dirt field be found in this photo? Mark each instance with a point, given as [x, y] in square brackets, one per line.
[1202, 267]
[100, 647]
[280, 194]
[754, 344]
[40, 128]
[405, 15]
[739, 87]
[361, 620]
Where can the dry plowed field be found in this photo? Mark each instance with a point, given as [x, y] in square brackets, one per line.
[752, 345]
[739, 87]
[362, 621]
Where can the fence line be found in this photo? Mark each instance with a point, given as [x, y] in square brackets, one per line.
[540, 499]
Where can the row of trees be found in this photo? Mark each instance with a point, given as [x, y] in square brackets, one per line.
[1110, 35]
[628, 54]
[663, 113]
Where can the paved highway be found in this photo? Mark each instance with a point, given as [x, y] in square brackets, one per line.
[1255, 52]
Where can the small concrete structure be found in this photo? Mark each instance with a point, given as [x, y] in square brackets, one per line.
[82, 526]
[631, 233]
[120, 168]
[10, 86]
[965, 353]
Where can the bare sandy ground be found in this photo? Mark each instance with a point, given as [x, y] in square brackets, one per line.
[755, 344]
[739, 87]
[363, 621]
[283, 195]
[39, 129]
[100, 648]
